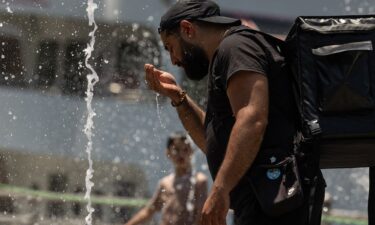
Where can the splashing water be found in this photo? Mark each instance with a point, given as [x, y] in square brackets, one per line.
[92, 79]
[156, 134]
[193, 181]
[158, 110]
[9, 10]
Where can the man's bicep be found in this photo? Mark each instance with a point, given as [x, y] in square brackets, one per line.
[248, 90]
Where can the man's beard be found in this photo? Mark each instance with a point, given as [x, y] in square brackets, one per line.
[194, 61]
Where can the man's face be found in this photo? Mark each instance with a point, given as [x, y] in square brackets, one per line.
[186, 55]
[179, 152]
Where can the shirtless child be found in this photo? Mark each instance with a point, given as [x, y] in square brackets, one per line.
[172, 194]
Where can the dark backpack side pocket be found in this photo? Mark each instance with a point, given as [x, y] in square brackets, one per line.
[277, 186]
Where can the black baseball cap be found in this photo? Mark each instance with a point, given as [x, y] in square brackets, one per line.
[195, 10]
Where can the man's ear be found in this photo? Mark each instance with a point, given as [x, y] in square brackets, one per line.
[187, 29]
[168, 153]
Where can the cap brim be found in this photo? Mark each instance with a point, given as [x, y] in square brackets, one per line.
[221, 20]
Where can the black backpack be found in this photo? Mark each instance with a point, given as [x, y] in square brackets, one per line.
[333, 64]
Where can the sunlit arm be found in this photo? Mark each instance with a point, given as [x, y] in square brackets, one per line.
[192, 118]
[248, 96]
[144, 215]
[200, 197]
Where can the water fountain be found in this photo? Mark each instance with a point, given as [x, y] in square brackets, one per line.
[193, 180]
[92, 79]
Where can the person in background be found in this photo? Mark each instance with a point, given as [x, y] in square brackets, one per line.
[180, 195]
[249, 113]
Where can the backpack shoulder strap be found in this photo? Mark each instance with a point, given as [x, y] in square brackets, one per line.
[280, 44]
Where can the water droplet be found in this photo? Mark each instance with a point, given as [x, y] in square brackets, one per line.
[116, 160]
[9, 10]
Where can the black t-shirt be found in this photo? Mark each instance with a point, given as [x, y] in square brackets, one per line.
[246, 50]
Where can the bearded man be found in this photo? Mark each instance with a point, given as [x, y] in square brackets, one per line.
[250, 109]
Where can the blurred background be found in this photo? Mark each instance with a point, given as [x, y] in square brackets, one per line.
[43, 111]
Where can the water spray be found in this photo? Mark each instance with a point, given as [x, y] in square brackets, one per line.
[92, 79]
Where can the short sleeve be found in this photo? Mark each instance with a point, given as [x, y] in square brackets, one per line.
[156, 202]
[239, 53]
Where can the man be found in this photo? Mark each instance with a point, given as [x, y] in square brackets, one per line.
[249, 109]
[179, 202]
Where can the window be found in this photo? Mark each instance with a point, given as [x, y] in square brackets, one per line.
[120, 64]
[75, 70]
[76, 206]
[132, 55]
[98, 215]
[46, 64]
[123, 189]
[6, 202]
[11, 68]
[57, 183]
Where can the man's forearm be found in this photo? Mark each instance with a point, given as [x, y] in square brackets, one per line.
[192, 118]
[243, 147]
[141, 217]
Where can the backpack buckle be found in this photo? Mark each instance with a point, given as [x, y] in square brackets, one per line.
[314, 127]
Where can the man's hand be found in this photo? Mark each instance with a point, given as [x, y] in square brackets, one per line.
[215, 208]
[162, 82]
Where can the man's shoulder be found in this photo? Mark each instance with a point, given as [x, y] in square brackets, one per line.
[240, 33]
[241, 39]
[166, 180]
[201, 177]
[232, 40]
